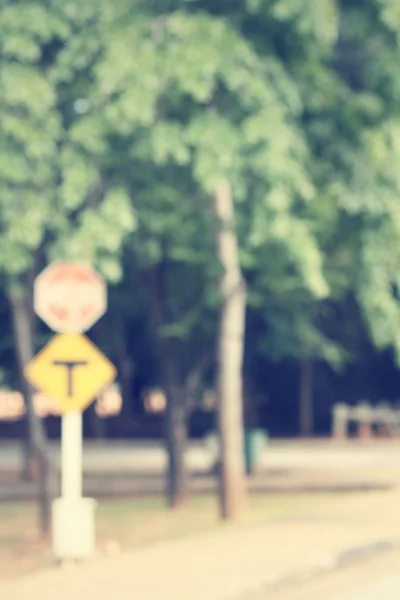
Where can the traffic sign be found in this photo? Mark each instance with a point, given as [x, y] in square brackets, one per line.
[70, 297]
[72, 370]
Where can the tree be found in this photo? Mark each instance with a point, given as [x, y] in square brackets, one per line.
[37, 215]
[129, 116]
[196, 99]
[230, 358]
[30, 130]
[214, 98]
[357, 172]
[341, 58]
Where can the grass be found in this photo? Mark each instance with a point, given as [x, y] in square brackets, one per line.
[133, 523]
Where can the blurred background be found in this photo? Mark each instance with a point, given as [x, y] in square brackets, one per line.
[232, 169]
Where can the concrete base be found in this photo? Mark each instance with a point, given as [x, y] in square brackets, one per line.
[73, 531]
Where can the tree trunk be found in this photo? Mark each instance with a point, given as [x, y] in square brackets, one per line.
[230, 360]
[306, 398]
[38, 464]
[176, 411]
[249, 407]
[126, 370]
[194, 381]
[176, 432]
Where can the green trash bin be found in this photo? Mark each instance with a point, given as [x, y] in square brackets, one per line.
[254, 443]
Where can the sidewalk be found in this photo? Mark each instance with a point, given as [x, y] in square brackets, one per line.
[374, 578]
[232, 563]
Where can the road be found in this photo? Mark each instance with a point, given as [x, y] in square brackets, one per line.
[150, 457]
[374, 579]
[138, 468]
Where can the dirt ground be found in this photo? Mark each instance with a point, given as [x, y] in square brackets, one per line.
[125, 524]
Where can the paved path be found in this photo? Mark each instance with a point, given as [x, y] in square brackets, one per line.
[374, 579]
[233, 562]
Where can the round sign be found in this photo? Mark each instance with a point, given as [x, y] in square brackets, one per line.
[70, 297]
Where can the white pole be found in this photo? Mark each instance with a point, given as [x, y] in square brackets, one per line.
[73, 516]
[71, 456]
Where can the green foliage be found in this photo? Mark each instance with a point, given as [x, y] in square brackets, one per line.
[30, 130]
[81, 218]
[119, 118]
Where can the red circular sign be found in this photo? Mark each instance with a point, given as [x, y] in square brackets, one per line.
[70, 297]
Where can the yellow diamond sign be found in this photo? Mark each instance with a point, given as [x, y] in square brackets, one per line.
[72, 370]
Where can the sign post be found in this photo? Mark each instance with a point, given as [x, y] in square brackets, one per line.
[70, 298]
[71, 455]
